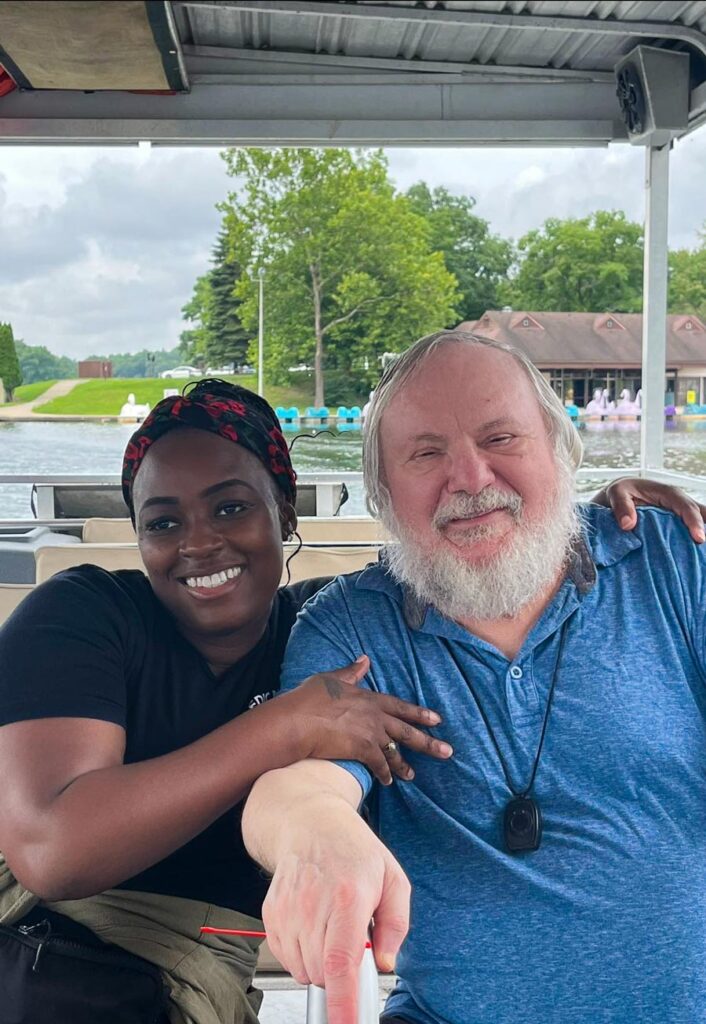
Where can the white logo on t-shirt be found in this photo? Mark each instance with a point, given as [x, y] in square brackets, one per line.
[261, 698]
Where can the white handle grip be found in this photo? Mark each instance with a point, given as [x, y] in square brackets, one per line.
[368, 998]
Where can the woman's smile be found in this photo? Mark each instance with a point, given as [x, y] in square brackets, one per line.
[214, 585]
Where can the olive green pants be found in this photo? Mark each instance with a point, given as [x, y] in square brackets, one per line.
[208, 977]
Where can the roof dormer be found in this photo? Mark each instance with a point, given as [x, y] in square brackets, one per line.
[525, 321]
[608, 322]
[689, 323]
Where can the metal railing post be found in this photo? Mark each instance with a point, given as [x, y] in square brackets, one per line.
[654, 319]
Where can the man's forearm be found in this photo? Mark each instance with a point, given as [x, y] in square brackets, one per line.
[294, 801]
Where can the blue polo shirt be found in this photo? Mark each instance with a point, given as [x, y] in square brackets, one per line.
[606, 922]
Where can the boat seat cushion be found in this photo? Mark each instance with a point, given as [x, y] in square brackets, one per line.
[10, 596]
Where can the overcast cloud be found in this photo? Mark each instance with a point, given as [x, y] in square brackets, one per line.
[100, 248]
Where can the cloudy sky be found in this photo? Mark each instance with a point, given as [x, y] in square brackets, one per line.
[99, 248]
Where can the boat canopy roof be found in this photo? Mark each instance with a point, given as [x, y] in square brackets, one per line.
[338, 72]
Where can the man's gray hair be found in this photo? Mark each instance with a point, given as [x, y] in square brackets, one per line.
[565, 437]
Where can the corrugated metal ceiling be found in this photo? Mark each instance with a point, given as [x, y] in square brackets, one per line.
[446, 31]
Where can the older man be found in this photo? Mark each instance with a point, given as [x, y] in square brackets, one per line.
[558, 858]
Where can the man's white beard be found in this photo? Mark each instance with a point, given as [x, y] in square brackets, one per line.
[528, 563]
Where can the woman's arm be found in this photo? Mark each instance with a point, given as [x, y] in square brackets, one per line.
[75, 820]
[623, 495]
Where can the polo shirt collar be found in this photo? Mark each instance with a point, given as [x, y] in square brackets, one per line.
[608, 543]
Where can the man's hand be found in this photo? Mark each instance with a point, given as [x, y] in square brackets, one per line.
[331, 876]
[622, 496]
[324, 892]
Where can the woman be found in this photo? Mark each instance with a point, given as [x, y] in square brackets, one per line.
[134, 689]
[135, 717]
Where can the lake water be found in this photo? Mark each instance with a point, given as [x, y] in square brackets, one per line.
[75, 448]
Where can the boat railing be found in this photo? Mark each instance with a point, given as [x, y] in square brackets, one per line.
[68, 497]
[74, 496]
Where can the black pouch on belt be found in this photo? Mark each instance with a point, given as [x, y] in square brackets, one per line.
[46, 978]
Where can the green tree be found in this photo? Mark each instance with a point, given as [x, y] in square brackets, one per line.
[349, 269]
[218, 335]
[38, 363]
[478, 259]
[10, 373]
[687, 279]
[192, 341]
[592, 264]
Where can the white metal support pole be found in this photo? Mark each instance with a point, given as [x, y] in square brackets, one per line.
[261, 335]
[654, 318]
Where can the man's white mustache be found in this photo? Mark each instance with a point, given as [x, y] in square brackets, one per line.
[465, 506]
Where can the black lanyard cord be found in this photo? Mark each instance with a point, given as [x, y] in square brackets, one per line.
[555, 676]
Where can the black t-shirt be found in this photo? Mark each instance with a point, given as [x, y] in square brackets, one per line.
[95, 644]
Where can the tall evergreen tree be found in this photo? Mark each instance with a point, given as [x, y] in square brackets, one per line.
[227, 340]
[218, 335]
[10, 373]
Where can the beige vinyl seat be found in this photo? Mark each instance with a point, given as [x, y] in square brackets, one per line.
[337, 529]
[51, 560]
[108, 531]
[10, 596]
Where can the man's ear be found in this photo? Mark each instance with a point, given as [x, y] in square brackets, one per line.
[288, 519]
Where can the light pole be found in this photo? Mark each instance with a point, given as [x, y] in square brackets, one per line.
[261, 334]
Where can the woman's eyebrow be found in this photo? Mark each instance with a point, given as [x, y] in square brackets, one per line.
[170, 500]
[226, 483]
[159, 501]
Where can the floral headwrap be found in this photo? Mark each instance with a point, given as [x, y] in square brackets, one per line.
[221, 408]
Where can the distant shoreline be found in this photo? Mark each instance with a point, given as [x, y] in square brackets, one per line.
[57, 418]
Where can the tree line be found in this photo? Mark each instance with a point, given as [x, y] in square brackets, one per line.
[353, 268]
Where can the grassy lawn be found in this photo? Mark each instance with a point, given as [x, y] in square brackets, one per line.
[105, 397]
[27, 392]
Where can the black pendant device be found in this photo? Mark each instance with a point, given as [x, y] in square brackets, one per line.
[522, 825]
[522, 818]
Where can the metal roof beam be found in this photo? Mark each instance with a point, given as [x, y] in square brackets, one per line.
[408, 109]
[470, 19]
[258, 132]
[328, 60]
